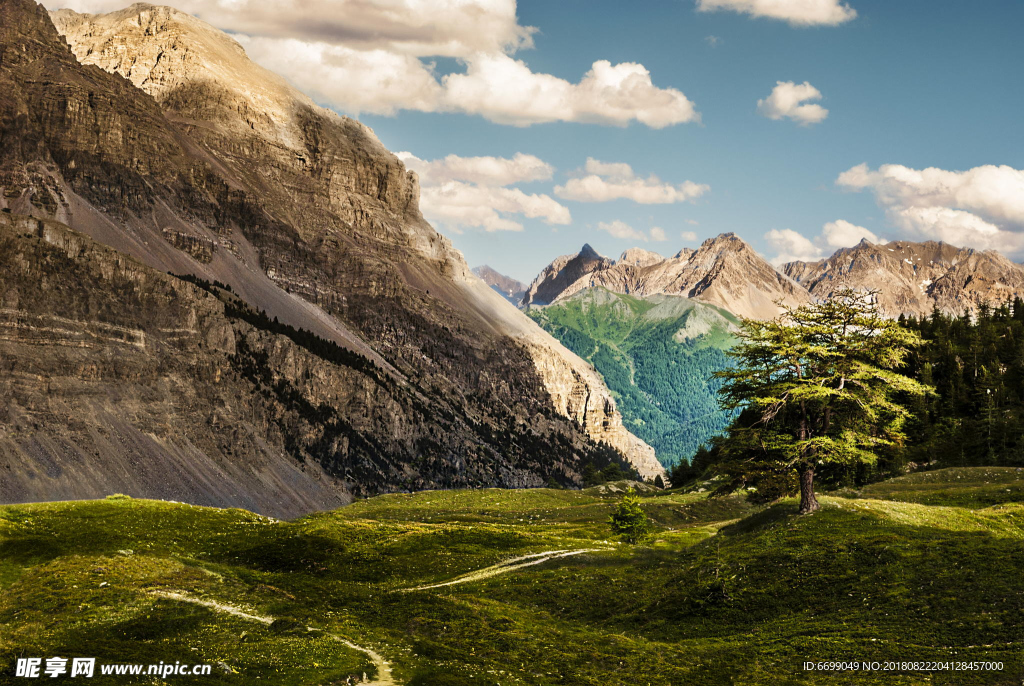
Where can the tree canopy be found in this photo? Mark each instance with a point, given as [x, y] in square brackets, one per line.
[817, 385]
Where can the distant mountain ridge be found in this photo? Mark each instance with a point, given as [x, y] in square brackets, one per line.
[509, 288]
[911, 278]
[724, 271]
[914, 278]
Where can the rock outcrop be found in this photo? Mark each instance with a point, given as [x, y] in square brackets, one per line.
[200, 163]
[914, 278]
[724, 271]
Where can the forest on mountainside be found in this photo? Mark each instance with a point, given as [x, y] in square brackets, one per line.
[662, 381]
[974, 418]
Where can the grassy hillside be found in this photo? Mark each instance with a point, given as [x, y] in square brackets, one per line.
[722, 594]
[657, 355]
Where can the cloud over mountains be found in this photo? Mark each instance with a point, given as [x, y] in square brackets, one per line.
[372, 56]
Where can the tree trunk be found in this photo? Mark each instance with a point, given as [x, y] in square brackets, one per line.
[808, 502]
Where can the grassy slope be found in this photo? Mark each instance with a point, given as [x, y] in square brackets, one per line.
[722, 595]
[660, 380]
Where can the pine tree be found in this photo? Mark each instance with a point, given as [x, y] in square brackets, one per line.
[817, 386]
[629, 520]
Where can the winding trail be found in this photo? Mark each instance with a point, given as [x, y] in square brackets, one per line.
[384, 677]
[507, 566]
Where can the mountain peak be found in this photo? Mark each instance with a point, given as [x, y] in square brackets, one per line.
[589, 252]
[725, 271]
[638, 257]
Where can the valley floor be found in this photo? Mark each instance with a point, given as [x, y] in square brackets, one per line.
[526, 587]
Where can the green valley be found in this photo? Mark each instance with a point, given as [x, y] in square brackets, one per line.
[657, 354]
[723, 593]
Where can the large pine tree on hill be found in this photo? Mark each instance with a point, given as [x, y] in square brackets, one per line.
[817, 385]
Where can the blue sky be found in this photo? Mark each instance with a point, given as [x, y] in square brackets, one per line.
[922, 137]
[920, 84]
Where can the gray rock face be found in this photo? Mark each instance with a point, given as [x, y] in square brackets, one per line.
[222, 171]
[724, 271]
[913, 278]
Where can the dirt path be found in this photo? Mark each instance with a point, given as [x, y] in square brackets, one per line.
[384, 677]
[507, 566]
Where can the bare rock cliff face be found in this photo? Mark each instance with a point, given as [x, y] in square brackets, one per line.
[305, 160]
[724, 271]
[222, 171]
[914, 278]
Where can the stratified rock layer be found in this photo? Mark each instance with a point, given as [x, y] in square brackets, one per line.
[222, 171]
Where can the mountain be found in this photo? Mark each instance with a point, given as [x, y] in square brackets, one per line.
[914, 278]
[506, 286]
[199, 163]
[724, 271]
[657, 354]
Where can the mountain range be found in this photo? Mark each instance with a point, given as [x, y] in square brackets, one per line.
[319, 341]
[910, 278]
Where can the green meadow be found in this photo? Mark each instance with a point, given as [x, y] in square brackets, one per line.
[922, 568]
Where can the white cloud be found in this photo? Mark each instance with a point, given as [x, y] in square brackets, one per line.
[460, 192]
[982, 207]
[693, 222]
[365, 56]
[494, 171]
[792, 246]
[506, 91]
[452, 28]
[713, 41]
[356, 81]
[604, 181]
[785, 101]
[688, 236]
[620, 229]
[843, 234]
[800, 13]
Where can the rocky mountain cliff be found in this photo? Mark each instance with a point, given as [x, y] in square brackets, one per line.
[913, 278]
[170, 146]
[509, 288]
[724, 271]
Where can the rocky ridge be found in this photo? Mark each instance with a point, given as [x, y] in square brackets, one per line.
[723, 271]
[914, 278]
[303, 213]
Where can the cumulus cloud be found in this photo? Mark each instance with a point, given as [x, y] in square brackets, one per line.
[982, 207]
[800, 13]
[791, 246]
[604, 181]
[369, 56]
[688, 236]
[506, 91]
[356, 81]
[620, 229]
[843, 234]
[460, 192]
[787, 100]
[491, 171]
